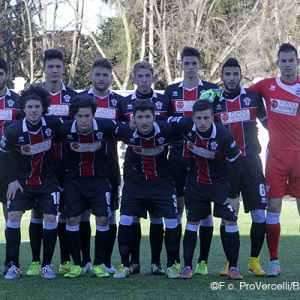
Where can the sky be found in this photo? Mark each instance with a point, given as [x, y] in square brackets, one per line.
[94, 10]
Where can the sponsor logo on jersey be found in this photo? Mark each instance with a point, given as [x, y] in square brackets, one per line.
[114, 102]
[85, 147]
[284, 107]
[158, 104]
[59, 110]
[214, 145]
[6, 114]
[200, 151]
[99, 135]
[148, 151]
[247, 101]
[161, 140]
[182, 106]
[48, 132]
[235, 116]
[10, 103]
[36, 148]
[105, 113]
[67, 98]
[272, 88]
[175, 94]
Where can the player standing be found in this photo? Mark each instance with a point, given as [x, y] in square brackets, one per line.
[8, 114]
[282, 96]
[86, 183]
[143, 78]
[148, 183]
[237, 109]
[183, 95]
[27, 150]
[108, 108]
[211, 147]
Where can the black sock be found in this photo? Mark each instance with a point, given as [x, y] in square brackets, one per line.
[232, 244]
[63, 242]
[109, 246]
[171, 242]
[257, 235]
[222, 235]
[179, 234]
[35, 236]
[73, 240]
[49, 241]
[13, 240]
[189, 245]
[136, 243]
[125, 242]
[156, 240]
[100, 242]
[205, 234]
[85, 238]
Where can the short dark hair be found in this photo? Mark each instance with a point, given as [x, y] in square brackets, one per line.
[190, 51]
[202, 105]
[102, 63]
[35, 92]
[231, 62]
[143, 105]
[3, 65]
[287, 47]
[82, 101]
[52, 54]
[142, 65]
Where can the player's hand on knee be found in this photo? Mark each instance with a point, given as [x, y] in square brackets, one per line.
[13, 187]
[234, 203]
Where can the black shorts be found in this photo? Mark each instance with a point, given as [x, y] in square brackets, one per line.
[45, 198]
[137, 197]
[198, 198]
[87, 192]
[3, 186]
[178, 168]
[252, 183]
[114, 178]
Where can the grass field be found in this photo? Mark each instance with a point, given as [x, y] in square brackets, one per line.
[147, 286]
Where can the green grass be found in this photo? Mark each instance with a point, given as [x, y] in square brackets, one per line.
[147, 286]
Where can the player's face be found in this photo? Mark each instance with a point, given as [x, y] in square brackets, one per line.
[101, 78]
[143, 79]
[287, 63]
[3, 78]
[203, 120]
[84, 118]
[33, 111]
[232, 78]
[190, 66]
[144, 121]
[53, 70]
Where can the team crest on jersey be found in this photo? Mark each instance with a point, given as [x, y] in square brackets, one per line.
[161, 140]
[10, 103]
[129, 106]
[3, 141]
[114, 102]
[214, 145]
[247, 101]
[99, 135]
[274, 103]
[175, 94]
[48, 132]
[67, 98]
[158, 105]
[298, 92]
[272, 88]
